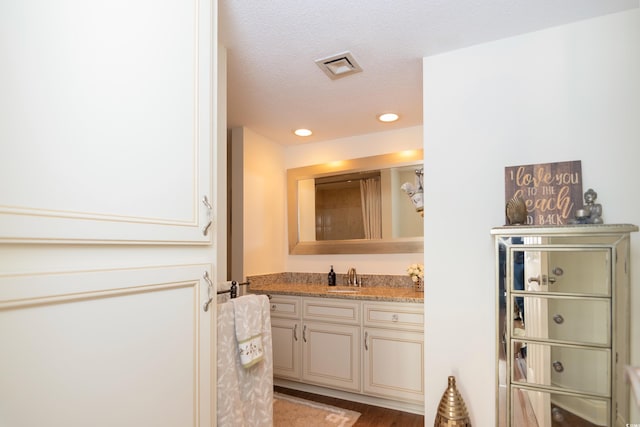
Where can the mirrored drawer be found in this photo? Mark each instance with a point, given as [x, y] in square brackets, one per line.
[585, 271]
[566, 367]
[577, 320]
[541, 409]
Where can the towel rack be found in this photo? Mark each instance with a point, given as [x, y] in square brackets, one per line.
[233, 290]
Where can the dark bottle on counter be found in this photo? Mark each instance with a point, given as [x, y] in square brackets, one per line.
[332, 277]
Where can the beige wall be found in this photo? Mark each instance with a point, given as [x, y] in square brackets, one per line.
[258, 205]
[567, 93]
[265, 163]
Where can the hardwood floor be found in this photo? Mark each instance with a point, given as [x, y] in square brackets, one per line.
[372, 416]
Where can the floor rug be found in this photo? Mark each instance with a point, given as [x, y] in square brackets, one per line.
[289, 411]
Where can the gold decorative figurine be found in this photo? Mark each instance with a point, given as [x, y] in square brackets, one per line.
[452, 410]
[516, 211]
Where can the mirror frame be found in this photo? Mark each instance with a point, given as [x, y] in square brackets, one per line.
[355, 246]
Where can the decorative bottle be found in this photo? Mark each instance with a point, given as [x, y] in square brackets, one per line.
[332, 277]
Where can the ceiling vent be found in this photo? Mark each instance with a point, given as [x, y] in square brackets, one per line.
[338, 66]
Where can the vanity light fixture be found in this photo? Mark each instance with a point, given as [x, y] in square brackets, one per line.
[303, 132]
[388, 117]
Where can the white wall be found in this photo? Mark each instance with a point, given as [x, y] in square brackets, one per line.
[567, 93]
[351, 148]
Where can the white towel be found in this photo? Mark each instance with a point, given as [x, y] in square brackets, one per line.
[245, 396]
[248, 323]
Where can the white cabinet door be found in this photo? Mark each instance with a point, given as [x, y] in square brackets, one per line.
[106, 121]
[331, 355]
[393, 364]
[106, 348]
[286, 338]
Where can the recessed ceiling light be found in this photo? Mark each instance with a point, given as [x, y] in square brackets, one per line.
[388, 117]
[303, 132]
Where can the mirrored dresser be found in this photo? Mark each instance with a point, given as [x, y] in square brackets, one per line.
[562, 324]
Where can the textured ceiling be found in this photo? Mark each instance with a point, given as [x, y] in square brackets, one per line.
[274, 85]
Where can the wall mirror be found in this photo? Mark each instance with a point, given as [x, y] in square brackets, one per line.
[356, 206]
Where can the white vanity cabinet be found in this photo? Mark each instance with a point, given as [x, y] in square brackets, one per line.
[369, 349]
[286, 328]
[393, 362]
[317, 341]
[563, 324]
[331, 343]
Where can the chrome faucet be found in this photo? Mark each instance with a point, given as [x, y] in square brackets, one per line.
[352, 277]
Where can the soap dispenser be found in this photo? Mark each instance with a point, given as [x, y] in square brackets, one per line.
[332, 277]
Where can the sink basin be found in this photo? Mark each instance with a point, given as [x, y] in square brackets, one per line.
[343, 291]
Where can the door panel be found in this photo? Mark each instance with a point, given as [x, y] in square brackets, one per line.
[393, 364]
[133, 341]
[285, 335]
[331, 355]
[106, 133]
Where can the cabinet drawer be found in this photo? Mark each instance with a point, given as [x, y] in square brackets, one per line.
[576, 320]
[568, 368]
[331, 310]
[397, 316]
[562, 270]
[557, 407]
[287, 307]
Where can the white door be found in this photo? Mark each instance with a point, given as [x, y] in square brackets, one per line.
[105, 348]
[105, 121]
[393, 364]
[108, 201]
[286, 337]
[331, 355]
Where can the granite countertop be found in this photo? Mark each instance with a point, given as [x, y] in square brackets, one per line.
[374, 293]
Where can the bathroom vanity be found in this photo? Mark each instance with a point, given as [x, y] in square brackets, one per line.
[562, 324]
[362, 344]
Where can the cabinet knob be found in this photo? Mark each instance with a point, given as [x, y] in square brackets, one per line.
[557, 415]
[394, 317]
[274, 307]
[558, 319]
[557, 366]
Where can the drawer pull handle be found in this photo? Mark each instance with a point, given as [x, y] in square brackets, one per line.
[366, 336]
[557, 366]
[394, 318]
[304, 333]
[295, 332]
[558, 319]
[545, 280]
[207, 303]
[205, 202]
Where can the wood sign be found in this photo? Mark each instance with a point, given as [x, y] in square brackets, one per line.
[551, 192]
